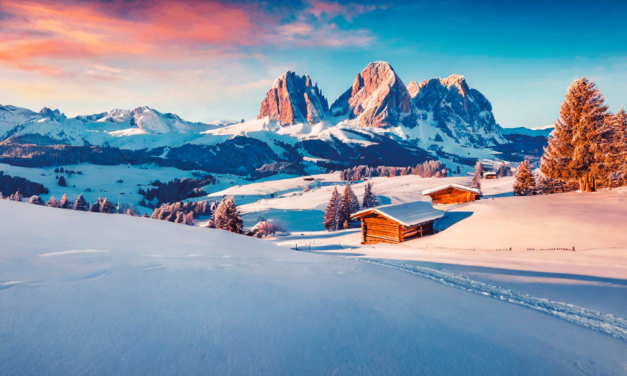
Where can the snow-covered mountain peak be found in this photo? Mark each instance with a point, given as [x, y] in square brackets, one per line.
[52, 114]
[116, 116]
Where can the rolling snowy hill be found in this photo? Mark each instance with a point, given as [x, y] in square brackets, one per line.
[147, 296]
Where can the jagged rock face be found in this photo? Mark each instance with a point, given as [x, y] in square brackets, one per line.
[461, 112]
[294, 99]
[378, 98]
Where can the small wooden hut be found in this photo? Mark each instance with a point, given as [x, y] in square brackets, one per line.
[490, 175]
[452, 194]
[397, 223]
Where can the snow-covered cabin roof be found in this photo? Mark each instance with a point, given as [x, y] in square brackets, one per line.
[456, 186]
[489, 173]
[407, 214]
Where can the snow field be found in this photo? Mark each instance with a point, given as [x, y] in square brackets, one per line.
[162, 298]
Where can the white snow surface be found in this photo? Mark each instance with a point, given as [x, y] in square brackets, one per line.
[170, 299]
[407, 214]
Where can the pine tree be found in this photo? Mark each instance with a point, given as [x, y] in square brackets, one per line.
[370, 200]
[476, 179]
[63, 204]
[52, 202]
[80, 203]
[503, 170]
[577, 148]
[17, 196]
[541, 184]
[227, 216]
[94, 208]
[62, 182]
[525, 182]
[330, 215]
[107, 206]
[345, 207]
[618, 148]
[36, 200]
[354, 201]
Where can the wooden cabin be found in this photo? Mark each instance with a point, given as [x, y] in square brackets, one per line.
[490, 175]
[397, 223]
[452, 194]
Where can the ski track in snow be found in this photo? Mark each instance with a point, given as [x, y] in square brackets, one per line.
[595, 320]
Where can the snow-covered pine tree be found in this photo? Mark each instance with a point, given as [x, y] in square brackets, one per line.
[525, 183]
[52, 202]
[578, 145]
[370, 200]
[63, 204]
[94, 208]
[17, 196]
[476, 179]
[80, 203]
[330, 215]
[227, 216]
[180, 217]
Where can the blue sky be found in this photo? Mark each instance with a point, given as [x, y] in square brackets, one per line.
[207, 60]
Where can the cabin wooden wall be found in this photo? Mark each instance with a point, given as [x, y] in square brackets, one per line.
[452, 196]
[378, 229]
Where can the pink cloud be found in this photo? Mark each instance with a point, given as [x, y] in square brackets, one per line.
[44, 36]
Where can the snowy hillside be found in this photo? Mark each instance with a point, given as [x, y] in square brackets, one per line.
[148, 296]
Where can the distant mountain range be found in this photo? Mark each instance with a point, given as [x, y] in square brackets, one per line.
[376, 121]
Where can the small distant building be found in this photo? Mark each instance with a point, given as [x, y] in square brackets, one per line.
[489, 175]
[452, 194]
[397, 223]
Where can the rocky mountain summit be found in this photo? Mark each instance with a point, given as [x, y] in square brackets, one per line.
[378, 98]
[294, 99]
[462, 113]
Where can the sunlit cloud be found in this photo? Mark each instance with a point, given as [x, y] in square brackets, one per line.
[43, 36]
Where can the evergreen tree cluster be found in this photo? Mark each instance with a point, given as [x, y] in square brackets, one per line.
[588, 145]
[183, 212]
[342, 206]
[427, 169]
[9, 185]
[175, 190]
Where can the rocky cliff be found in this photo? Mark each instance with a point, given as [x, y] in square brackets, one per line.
[294, 99]
[378, 98]
[462, 113]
